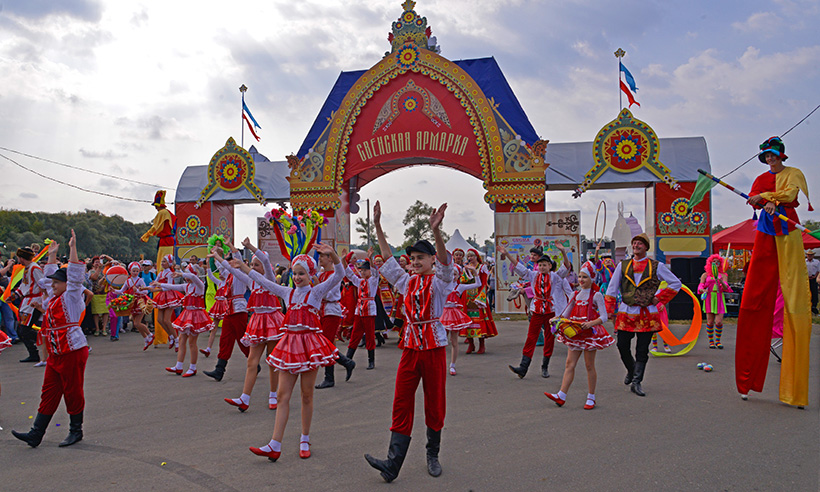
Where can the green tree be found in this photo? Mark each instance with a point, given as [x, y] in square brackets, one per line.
[418, 225]
[717, 229]
[366, 232]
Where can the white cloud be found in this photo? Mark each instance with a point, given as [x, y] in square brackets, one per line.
[765, 24]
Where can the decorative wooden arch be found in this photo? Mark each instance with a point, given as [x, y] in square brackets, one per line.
[452, 123]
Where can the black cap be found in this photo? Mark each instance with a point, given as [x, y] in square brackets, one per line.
[365, 265]
[60, 275]
[423, 247]
[544, 258]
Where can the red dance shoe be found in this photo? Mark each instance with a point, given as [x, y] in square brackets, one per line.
[206, 353]
[271, 455]
[148, 342]
[174, 370]
[587, 406]
[304, 454]
[558, 401]
[189, 374]
[272, 406]
[241, 406]
[471, 346]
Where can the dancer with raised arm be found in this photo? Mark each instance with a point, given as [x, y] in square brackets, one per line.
[67, 348]
[423, 344]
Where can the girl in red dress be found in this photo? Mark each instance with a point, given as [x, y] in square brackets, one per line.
[193, 319]
[587, 310]
[166, 300]
[134, 285]
[454, 318]
[302, 350]
[475, 302]
[264, 327]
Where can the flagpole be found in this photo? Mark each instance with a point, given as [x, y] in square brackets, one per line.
[619, 53]
[243, 89]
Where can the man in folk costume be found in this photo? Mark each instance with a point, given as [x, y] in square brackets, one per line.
[776, 265]
[544, 283]
[423, 343]
[164, 227]
[234, 323]
[638, 280]
[67, 348]
[30, 293]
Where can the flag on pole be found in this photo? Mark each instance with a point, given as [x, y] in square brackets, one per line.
[702, 187]
[632, 86]
[248, 117]
[629, 78]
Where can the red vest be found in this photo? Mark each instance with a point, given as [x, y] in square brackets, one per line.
[262, 298]
[542, 287]
[61, 336]
[418, 307]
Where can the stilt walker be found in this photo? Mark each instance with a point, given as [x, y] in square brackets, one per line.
[67, 349]
[424, 345]
[777, 260]
[164, 227]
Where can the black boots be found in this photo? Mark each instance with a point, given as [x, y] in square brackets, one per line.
[379, 339]
[433, 446]
[35, 436]
[522, 369]
[348, 364]
[371, 359]
[389, 468]
[29, 338]
[75, 430]
[545, 364]
[219, 370]
[330, 379]
[637, 377]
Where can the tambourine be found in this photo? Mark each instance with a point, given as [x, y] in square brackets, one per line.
[566, 327]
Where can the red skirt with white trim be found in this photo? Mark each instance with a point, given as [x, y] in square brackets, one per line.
[166, 299]
[453, 318]
[263, 327]
[219, 309]
[5, 341]
[587, 340]
[302, 351]
[193, 322]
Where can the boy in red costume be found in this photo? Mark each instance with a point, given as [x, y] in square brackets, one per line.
[423, 344]
[67, 348]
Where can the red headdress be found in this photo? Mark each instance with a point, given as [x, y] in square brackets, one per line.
[307, 263]
[169, 258]
[134, 264]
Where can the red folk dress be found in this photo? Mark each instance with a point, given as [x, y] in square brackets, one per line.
[580, 311]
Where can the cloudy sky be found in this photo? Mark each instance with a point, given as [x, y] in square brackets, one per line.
[143, 89]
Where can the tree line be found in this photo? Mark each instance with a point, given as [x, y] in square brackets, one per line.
[96, 233]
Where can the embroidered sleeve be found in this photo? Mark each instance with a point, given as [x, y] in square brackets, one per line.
[277, 289]
[320, 290]
[393, 273]
[265, 259]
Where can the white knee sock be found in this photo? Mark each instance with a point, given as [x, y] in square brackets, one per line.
[191, 367]
[562, 395]
[178, 367]
[304, 443]
[590, 399]
[272, 398]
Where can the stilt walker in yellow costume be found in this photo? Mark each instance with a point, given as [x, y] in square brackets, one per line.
[163, 227]
[777, 257]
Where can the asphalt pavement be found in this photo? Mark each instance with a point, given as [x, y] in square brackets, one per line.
[147, 429]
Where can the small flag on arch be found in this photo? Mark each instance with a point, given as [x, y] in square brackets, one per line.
[248, 117]
[632, 86]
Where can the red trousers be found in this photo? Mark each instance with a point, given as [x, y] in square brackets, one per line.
[539, 322]
[363, 325]
[429, 366]
[64, 377]
[233, 329]
[330, 325]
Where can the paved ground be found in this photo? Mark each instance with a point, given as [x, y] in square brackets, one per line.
[150, 430]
